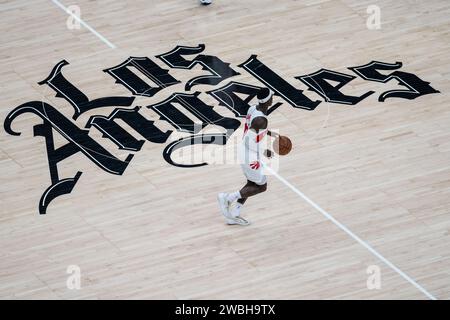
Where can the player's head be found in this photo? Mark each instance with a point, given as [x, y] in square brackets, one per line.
[265, 97]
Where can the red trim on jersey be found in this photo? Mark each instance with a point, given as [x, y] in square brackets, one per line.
[247, 119]
[260, 136]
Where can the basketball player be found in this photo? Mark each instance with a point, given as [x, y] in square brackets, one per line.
[255, 130]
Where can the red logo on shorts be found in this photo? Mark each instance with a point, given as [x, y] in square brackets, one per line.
[255, 165]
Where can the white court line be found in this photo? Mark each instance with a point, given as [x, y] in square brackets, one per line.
[59, 4]
[351, 234]
[284, 181]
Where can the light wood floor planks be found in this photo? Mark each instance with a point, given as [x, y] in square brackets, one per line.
[380, 168]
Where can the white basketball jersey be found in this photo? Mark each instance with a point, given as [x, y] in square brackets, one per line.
[252, 141]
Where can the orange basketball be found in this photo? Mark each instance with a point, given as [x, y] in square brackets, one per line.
[282, 145]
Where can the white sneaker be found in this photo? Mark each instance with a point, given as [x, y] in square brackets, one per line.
[238, 220]
[224, 205]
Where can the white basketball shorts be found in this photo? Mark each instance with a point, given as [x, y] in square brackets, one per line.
[254, 172]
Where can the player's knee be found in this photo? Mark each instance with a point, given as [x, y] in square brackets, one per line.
[263, 187]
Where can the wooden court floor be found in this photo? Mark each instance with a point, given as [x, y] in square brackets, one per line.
[381, 169]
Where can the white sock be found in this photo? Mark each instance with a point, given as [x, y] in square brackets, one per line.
[236, 210]
[233, 196]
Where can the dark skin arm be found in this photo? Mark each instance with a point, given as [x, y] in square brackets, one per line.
[272, 134]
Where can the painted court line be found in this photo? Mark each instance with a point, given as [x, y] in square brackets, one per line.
[289, 185]
[60, 5]
[351, 234]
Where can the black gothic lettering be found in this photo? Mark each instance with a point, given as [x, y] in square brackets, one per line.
[219, 139]
[136, 85]
[78, 100]
[78, 140]
[219, 70]
[416, 86]
[318, 82]
[205, 113]
[120, 136]
[186, 112]
[226, 96]
[281, 87]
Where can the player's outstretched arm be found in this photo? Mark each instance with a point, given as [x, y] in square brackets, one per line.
[272, 134]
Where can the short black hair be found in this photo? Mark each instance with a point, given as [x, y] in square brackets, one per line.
[263, 93]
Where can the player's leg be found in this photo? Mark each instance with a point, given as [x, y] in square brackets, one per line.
[256, 183]
[242, 200]
[251, 189]
[236, 196]
[232, 215]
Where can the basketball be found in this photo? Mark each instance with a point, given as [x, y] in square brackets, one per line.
[282, 145]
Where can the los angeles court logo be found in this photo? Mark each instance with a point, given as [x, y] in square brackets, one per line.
[180, 108]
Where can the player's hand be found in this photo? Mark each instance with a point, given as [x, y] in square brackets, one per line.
[268, 154]
[272, 134]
